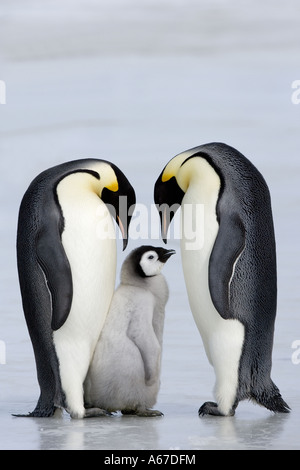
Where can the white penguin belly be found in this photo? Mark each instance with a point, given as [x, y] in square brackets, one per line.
[92, 258]
[222, 339]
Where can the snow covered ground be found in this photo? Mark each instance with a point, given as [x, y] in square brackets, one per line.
[137, 82]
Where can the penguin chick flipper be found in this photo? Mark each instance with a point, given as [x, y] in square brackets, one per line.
[55, 265]
[211, 408]
[146, 341]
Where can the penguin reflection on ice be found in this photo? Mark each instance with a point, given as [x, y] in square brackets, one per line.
[125, 371]
[231, 277]
[66, 250]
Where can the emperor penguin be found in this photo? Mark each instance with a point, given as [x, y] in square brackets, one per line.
[66, 254]
[124, 374]
[229, 264]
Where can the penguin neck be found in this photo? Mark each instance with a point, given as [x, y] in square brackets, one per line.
[130, 278]
[78, 186]
[198, 175]
[199, 209]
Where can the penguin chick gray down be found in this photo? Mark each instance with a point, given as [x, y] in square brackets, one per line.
[125, 370]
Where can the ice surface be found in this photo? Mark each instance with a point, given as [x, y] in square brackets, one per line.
[136, 83]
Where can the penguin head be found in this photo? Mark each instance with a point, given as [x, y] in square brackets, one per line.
[104, 179]
[118, 195]
[174, 181]
[151, 260]
[168, 193]
[146, 261]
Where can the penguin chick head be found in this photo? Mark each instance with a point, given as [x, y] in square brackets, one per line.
[146, 261]
[152, 260]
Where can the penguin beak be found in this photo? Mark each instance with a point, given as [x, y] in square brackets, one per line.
[121, 204]
[168, 197]
[126, 207]
[124, 230]
[165, 220]
[124, 210]
[165, 255]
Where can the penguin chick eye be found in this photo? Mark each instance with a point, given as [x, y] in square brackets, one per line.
[150, 257]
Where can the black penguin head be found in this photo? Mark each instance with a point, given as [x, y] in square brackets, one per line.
[148, 261]
[109, 183]
[173, 183]
[167, 197]
[120, 202]
[168, 194]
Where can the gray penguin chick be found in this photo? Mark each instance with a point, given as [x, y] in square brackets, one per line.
[124, 373]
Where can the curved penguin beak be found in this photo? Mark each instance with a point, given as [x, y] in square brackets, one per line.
[126, 207]
[165, 219]
[168, 197]
[164, 254]
[121, 203]
[124, 228]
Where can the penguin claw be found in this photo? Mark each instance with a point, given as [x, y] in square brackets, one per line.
[208, 408]
[149, 413]
[143, 413]
[96, 412]
[211, 408]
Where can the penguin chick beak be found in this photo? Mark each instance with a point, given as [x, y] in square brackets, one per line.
[165, 255]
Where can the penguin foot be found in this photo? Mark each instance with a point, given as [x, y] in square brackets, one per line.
[142, 413]
[211, 408]
[149, 413]
[128, 412]
[95, 413]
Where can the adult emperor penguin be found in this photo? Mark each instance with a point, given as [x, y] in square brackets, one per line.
[66, 251]
[125, 370]
[229, 268]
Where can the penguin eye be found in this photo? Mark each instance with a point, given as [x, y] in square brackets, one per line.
[150, 257]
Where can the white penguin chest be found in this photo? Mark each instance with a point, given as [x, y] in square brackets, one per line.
[199, 231]
[199, 217]
[89, 242]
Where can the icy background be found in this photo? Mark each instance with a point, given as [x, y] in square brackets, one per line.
[136, 82]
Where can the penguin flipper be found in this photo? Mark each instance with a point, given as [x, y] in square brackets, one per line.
[55, 265]
[228, 247]
[141, 333]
